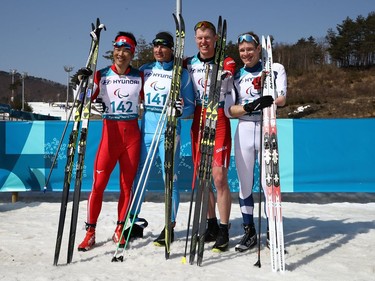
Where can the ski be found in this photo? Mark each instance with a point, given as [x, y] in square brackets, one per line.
[72, 144]
[170, 132]
[207, 144]
[206, 75]
[271, 162]
[140, 188]
[85, 117]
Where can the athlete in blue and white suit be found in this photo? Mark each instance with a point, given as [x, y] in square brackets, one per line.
[157, 76]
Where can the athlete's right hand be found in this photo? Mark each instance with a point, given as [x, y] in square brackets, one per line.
[179, 106]
[83, 72]
[176, 109]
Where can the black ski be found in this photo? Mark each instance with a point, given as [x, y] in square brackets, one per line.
[83, 87]
[170, 132]
[207, 144]
[85, 117]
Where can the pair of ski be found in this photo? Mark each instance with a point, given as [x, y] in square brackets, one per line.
[169, 117]
[206, 148]
[170, 133]
[270, 160]
[80, 129]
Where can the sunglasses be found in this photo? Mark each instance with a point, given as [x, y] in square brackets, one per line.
[163, 42]
[123, 44]
[247, 38]
[205, 24]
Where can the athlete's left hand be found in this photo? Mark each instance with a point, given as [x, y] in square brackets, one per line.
[258, 104]
[226, 74]
[99, 105]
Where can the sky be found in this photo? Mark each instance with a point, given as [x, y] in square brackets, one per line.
[41, 37]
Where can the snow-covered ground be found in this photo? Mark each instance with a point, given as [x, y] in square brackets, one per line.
[57, 109]
[53, 109]
[324, 242]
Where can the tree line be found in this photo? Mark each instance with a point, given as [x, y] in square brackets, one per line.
[351, 45]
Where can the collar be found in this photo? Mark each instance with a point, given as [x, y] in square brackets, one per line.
[257, 67]
[166, 65]
[113, 67]
[205, 60]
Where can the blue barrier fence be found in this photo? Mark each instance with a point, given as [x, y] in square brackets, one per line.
[316, 155]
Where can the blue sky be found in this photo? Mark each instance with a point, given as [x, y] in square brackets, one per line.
[40, 37]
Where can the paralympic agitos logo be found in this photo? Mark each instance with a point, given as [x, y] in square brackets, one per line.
[256, 85]
[201, 82]
[155, 86]
[120, 95]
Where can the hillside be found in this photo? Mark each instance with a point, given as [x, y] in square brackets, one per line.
[331, 93]
[321, 93]
[36, 89]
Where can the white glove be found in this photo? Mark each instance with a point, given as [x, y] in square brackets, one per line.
[226, 74]
[179, 106]
[226, 78]
[177, 109]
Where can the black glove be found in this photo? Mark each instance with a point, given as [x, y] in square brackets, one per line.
[99, 105]
[258, 104]
[83, 72]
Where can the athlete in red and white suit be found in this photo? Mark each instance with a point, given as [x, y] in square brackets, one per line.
[205, 38]
[119, 87]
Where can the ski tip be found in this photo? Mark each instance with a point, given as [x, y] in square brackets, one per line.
[102, 26]
[183, 260]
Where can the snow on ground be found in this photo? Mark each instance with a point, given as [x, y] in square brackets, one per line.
[53, 109]
[324, 242]
[56, 109]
